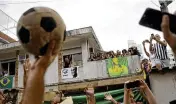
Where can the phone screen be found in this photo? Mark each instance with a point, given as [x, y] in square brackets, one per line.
[152, 18]
[133, 84]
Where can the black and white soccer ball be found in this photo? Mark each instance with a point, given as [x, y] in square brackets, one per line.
[37, 27]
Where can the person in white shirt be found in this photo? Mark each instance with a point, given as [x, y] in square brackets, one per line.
[6, 73]
[150, 55]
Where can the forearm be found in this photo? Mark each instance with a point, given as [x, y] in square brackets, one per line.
[143, 95]
[24, 80]
[171, 40]
[161, 42]
[146, 51]
[150, 97]
[150, 46]
[91, 99]
[33, 93]
[114, 101]
[126, 99]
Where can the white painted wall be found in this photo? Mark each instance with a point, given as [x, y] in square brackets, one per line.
[164, 87]
[51, 75]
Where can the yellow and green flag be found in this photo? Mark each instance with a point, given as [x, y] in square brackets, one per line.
[6, 82]
[117, 66]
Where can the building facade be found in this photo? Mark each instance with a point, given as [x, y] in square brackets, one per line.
[78, 45]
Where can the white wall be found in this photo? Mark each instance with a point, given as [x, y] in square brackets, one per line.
[72, 44]
[51, 75]
[164, 87]
[52, 72]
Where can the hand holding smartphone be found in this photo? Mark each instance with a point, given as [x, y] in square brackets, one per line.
[153, 18]
[133, 84]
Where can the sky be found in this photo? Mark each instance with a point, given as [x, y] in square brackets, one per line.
[114, 21]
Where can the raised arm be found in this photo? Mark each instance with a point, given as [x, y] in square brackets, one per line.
[143, 43]
[26, 68]
[34, 91]
[149, 95]
[90, 95]
[126, 98]
[164, 43]
[143, 94]
[168, 36]
[151, 45]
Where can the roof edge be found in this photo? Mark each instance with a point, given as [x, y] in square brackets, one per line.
[96, 39]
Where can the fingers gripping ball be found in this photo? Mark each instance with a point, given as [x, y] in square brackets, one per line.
[37, 27]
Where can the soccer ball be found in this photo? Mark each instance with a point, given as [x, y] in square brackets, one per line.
[37, 26]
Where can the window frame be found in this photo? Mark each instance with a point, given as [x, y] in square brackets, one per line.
[8, 61]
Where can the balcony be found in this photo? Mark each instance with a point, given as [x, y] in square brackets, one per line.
[96, 73]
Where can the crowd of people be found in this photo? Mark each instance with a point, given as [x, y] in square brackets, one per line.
[128, 95]
[34, 81]
[112, 54]
[157, 54]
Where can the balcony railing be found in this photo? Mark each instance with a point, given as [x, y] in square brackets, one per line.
[108, 68]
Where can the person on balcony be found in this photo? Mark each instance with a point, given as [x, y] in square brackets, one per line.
[67, 61]
[124, 52]
[92, 58]
[6, 73]
[150, 55]
[160, 48]
[118, 53]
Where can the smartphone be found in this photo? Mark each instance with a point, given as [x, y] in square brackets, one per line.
[152, 18]
[133, 84]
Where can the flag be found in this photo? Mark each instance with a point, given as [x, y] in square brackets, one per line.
[6, 82]
[117, 66]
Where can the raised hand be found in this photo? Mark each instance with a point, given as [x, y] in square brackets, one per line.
[43, 62]
[168, 35]
[143, 43]
[108, 97]
[26, 66]
[143, 85]
[89, 91]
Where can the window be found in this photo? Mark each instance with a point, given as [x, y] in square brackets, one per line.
[77, 59]
[72, 60]
[7, 67]
[67, 61]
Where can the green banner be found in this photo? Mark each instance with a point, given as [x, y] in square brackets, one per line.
[6, 82]
[117, 66]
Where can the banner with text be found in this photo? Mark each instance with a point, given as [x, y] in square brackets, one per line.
[68, 73]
